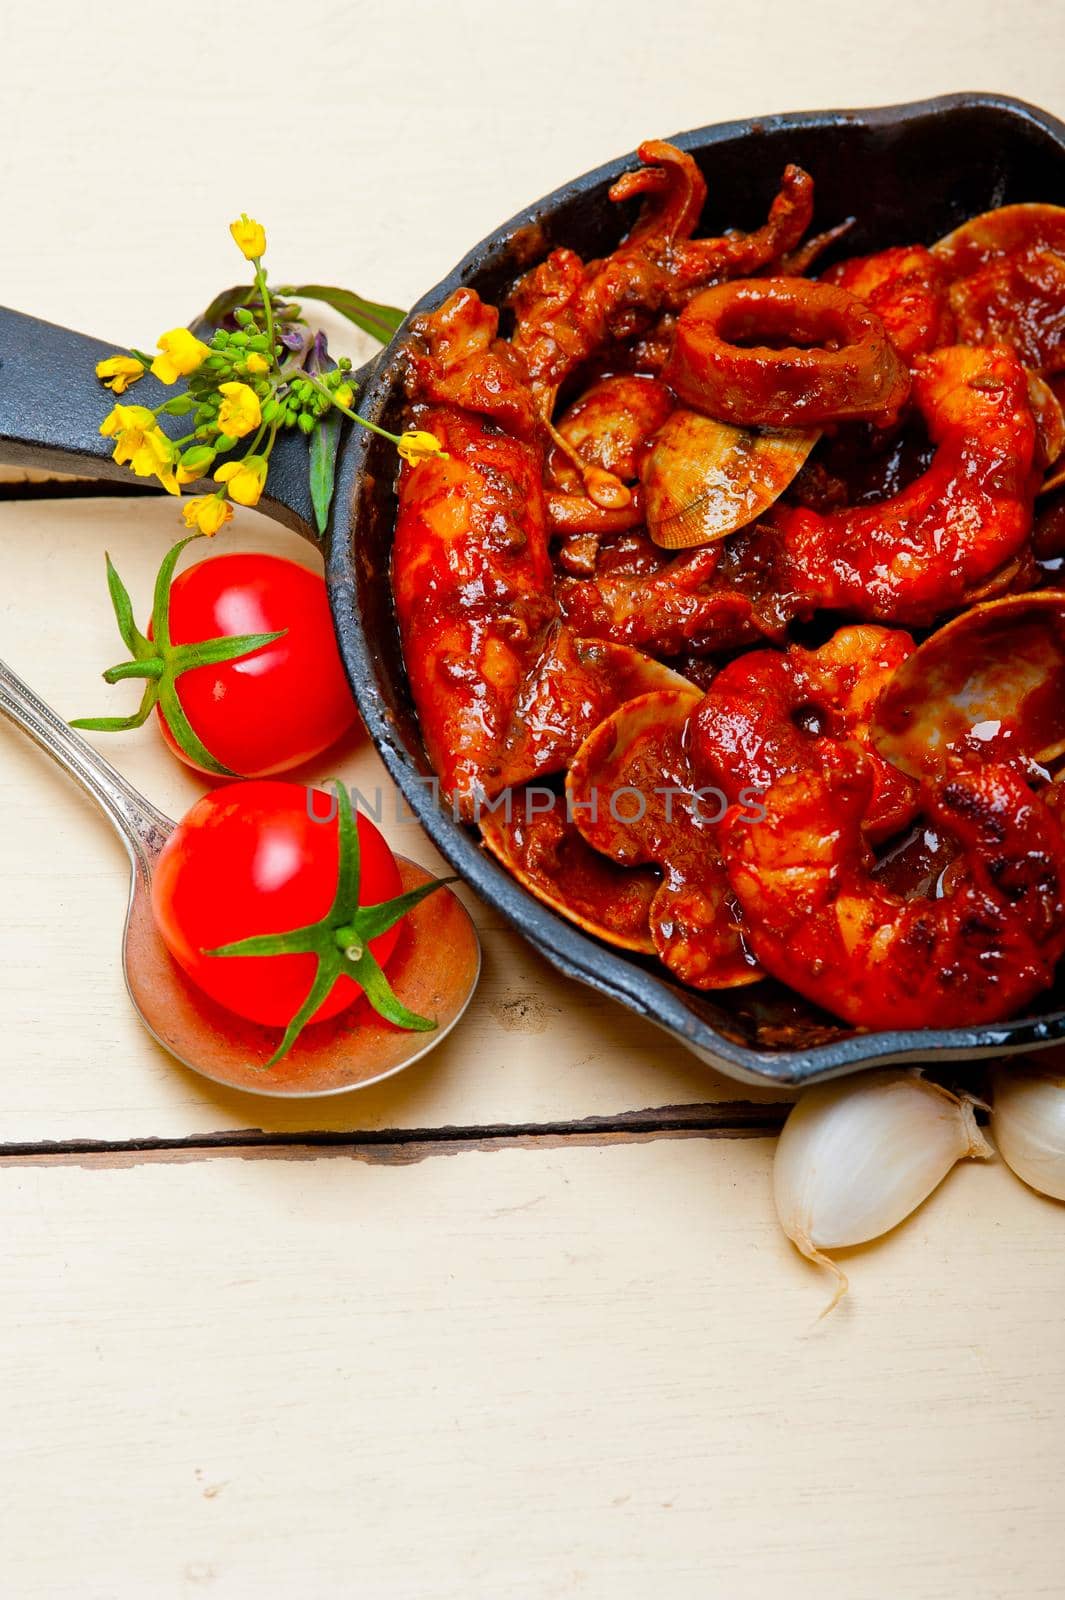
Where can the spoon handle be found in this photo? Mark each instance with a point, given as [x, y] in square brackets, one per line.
[142, 828]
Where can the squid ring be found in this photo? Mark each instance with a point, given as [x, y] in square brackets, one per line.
[785, 353]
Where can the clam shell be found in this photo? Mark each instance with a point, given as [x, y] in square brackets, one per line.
[1001, 232]
[545, 852]
[630, 789]
[990, 683]
[704, 479]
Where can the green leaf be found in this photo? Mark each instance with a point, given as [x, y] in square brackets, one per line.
[152, 667]
[226, 302]
[110, 724]
[183, 732]
[377, 989]
[349, 862]
[122, 724]
[324, 979]
[161, 598]
[298, 942]
[371, 921]
[325, 441]
[379, 321]
[123, 608]
[211, 652]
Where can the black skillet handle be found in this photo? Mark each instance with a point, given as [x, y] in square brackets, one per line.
[51, 407]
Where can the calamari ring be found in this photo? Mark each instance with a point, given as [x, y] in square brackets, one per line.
[819, 921]
[785, 353]
[774, 712]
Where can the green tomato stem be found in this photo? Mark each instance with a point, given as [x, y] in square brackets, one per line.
[161, 662]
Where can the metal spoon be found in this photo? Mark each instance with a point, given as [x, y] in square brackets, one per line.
[434, 970]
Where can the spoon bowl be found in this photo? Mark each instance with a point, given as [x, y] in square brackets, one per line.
[434, 970]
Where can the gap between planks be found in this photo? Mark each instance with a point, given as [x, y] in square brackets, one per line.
[60, 488]
[405, 1146]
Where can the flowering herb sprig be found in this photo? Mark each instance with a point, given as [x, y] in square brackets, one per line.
[264, 373]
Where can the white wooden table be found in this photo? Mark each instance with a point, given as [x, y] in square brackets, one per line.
[520, 1323]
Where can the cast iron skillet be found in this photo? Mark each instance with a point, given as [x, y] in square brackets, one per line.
[908, 173]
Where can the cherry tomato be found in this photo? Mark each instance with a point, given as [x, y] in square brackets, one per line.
[249, 859]
[283, 704]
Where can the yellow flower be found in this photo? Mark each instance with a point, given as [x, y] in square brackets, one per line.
[125, 417]
[240, 412]
[141, 444]
[182, 354]
[344, 395]
[245, 479]
[207, 513]
[415, 446]
[257, 364]
[194, 463]
[118, 372]
[249, 236]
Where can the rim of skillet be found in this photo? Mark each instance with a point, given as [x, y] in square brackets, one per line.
[570, 951]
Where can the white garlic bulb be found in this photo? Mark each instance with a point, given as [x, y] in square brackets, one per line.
[858, 1155]
[1028, 1122]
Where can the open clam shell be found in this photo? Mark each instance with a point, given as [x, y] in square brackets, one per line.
[535, 841]
[1007, 281]
[1033, 225]
[990, 683]
[635, 799]
[703, 479]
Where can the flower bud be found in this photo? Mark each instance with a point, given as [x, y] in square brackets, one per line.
[181, 354]
[416, 445]
[249, 237]
[244, 479]
[240, 412]
[118, 372]
[207, 513]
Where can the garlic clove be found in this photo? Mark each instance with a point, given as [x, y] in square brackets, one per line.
[1028, 1124]
[857, 1156]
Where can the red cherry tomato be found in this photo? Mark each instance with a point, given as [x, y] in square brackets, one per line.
[284, 703]
[249, 859]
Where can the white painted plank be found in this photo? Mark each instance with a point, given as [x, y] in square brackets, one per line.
[588, 1372]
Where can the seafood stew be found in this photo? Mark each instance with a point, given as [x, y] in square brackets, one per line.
[919, 169]
[701, 499]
